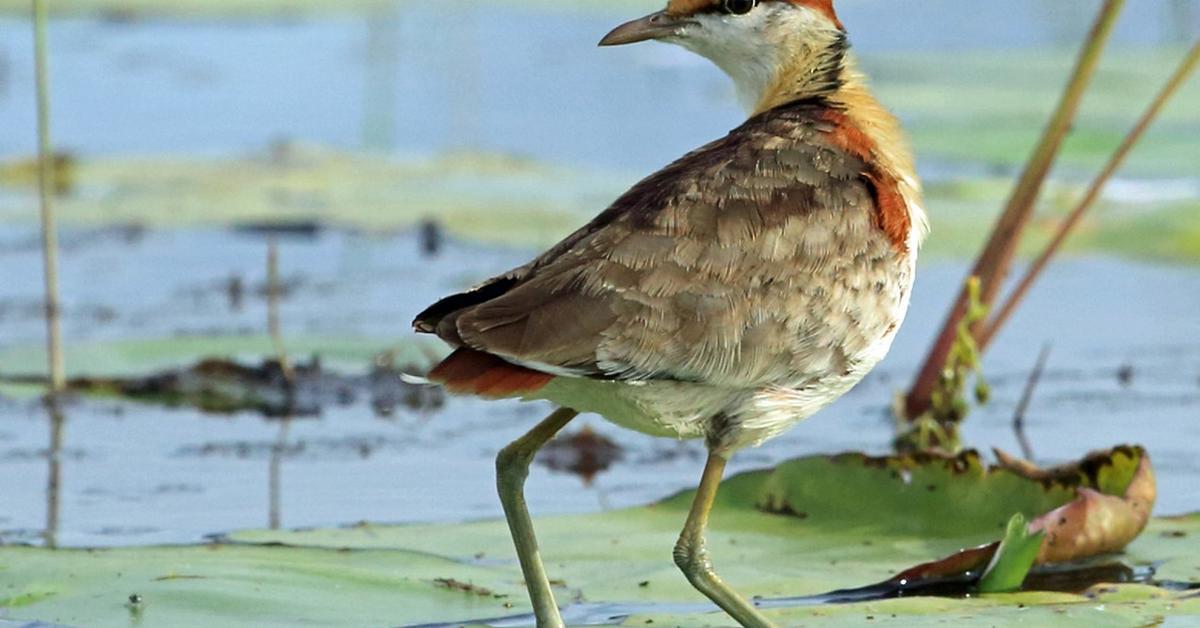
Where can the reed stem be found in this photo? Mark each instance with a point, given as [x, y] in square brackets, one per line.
[1015, 298]
[274, 288]
[46, 184]
[275, 467]
[996, 259]
[54, 354]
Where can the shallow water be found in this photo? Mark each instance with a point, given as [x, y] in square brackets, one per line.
[138, 474]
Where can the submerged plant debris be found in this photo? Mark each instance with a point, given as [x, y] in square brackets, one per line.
[222, 386]
[583, 453]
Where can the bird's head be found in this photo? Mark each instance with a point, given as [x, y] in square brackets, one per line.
[774, 50]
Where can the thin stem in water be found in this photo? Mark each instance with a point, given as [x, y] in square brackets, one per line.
[275, 468]
[46, 184]
[274, 288]
[1026, 398]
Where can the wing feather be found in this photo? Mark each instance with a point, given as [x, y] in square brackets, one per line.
[670, 282]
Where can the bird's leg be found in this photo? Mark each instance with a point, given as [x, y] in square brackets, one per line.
[692, 556]
[512, 467]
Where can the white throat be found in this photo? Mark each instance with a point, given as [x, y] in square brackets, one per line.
[750, 81]
[753, 48]
[740, 47]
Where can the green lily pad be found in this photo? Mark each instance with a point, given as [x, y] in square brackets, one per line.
[1117, 606]
[847, 521]
[221, 585]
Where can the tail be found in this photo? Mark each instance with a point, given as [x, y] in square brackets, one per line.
[471, 372]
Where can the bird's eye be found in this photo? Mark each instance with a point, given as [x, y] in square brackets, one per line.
[739, 7]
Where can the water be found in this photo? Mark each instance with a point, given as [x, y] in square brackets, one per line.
[141, 474]
[445, 75]
[450, 75]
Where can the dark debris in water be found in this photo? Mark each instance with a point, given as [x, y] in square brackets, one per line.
[584, 453]
[432, 237]
[26, 455]
[296, 229]
[1126, 374]
[75, 239]
[361, 447]
[124, 531]
[14, 310]
[21, 536]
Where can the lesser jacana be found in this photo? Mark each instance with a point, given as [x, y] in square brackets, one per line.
[725, 297]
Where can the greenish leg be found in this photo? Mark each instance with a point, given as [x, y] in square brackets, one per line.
[512, 467]
[692, 556]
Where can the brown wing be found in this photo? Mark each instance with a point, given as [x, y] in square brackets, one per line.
[682, 277]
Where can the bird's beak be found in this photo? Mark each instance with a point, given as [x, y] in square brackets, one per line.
[653, 26]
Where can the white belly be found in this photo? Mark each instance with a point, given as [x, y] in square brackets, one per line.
[665, 409]
[729, 419]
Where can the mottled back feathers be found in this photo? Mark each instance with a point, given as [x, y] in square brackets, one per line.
[727, 267]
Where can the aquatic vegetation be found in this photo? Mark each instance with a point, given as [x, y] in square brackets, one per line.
[995, 260]
[222, 386]
[486, 197]
[995, 123]
[800, 529]
[938, 428]
[805, 528]
[497, 199]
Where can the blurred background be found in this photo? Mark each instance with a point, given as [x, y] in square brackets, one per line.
[396, 151]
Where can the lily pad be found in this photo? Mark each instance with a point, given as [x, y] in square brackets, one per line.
[835, 522]
[1092, 524]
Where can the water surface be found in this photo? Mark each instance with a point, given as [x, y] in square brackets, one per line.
[1125, 367]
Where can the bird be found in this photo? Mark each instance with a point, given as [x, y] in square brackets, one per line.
[725, 297]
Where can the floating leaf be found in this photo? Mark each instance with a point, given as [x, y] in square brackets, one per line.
[1095, 523]
[1089, 525]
